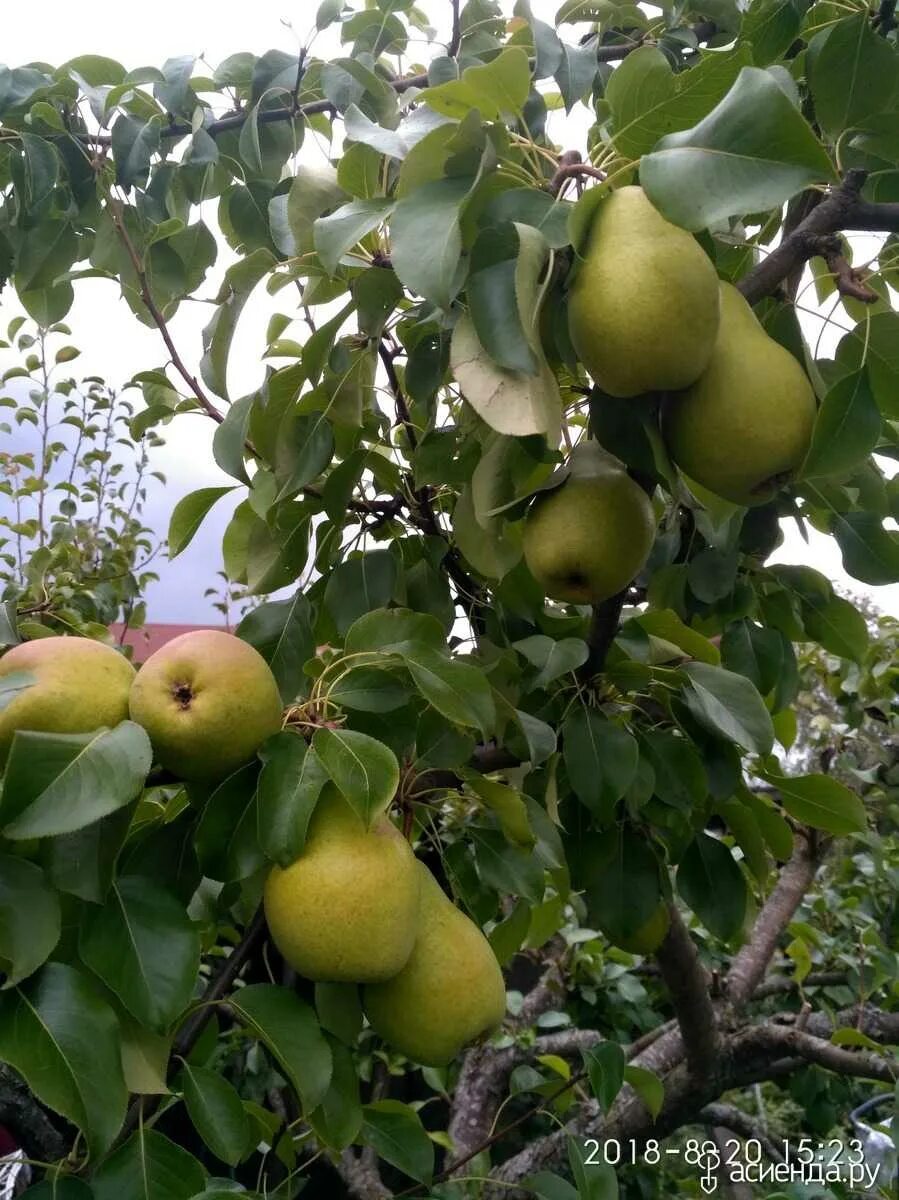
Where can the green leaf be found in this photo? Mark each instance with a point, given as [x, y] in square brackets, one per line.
[56, 783]
[648, 1087]
[594, 1178]
[145, 948]
[134, 142]
[552, 658]
[493, 300]
[426, 239]
[359, 585]
[648, 100]
[771, 27]
[289, 787]
[680, 778]
[601, 759]
[394, 631]
[837, 625]
[225, 838]
[846, 429]
[64, 1040]
[546, 1186]
[188, 515]
[526, 206]
[217, 1112]
[288, 1028]
[229, 442]
[621, 882]
[496, 89]
[666, 624]
[730, 706]
[853, 73]
[239, 282]
[44, 253]
[148, 1167]
[338, 1119]
[304, 448]
[65, 1188]
[712, 884]
[511, 401]
[605, 1069]
[458, 690]
[29, 919]
[508, 805]
[363, 769]
[870, 552]
[346, 227]
[395, 1132]
[82, 863]
[281, 630]
[821, 802]
[752, 152]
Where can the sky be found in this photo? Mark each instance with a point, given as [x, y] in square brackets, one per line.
[115, 345]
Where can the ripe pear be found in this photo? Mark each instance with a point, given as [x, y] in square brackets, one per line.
[586, 539]
[346, 911]
[643, 309]
[79, 685]
[743, 429]
[208, 701]
[450, 992]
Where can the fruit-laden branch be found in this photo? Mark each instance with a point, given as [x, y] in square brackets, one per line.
[688, 987]
[841, 209]
[701, 31]
[749, 967]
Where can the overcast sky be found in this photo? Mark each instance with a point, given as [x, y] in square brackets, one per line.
[115, 345]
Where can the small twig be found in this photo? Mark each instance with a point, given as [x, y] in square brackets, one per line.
[570, 166]
[849, 281]
[456, 35]
[885, 17]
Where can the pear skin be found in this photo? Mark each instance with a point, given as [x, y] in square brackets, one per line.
[346, 911]
[643, 309]
[450, 992]
[744, 428]
[649, 936]
[586, 539]
[79, 685]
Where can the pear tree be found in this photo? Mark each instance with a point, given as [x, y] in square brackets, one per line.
[482, 861]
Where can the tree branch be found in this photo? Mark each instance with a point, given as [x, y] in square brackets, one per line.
[787, 983]
[749, 967]
[842, 208]
[570, 166]
[688, 987]
[26, 1120]
[744, 1125]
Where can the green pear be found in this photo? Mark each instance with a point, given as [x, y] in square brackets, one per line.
[643, 309]
[208, 701]
[449, 993]
[586, 539]
[648, 937]
[346, 911]
[78, 685]
[743, 429]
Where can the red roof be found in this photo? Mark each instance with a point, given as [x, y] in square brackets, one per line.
[150, 638]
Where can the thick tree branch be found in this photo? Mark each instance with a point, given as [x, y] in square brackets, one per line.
[27, 1121]
[749, 967]
[741, 1123]
[688, 987]
[842, 208]
[361, 1176]
[778, 984]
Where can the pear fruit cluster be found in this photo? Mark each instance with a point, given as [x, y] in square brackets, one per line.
[647, 314]
[585, 540]
[356, 906]
[207, 700]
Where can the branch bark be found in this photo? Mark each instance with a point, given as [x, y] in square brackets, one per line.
[741, 1123]
[749, 967]
[688, 987]
[842, 208]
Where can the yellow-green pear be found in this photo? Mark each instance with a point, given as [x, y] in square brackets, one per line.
[346, 911]
[743, 429]
[643, 309]
[78, 685]
[586, 539]
[449, 993]
[208, 701]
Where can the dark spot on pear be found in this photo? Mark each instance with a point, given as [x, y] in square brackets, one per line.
[183, 694]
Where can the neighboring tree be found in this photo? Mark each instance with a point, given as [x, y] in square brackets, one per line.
[74, 549]
[580, 779]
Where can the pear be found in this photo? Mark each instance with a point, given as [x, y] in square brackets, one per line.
[743, 429]
[649, 936]
[450, 992]
[78, 685]
[643, 308]
[208, 701]
[586, 539]
[346, 911]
